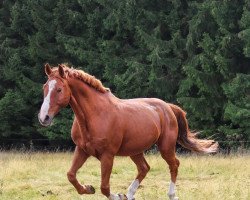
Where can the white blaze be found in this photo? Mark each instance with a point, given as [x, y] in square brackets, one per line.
[46, 102]
[132, 189]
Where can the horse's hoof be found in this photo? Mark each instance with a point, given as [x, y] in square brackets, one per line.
[123, 197]
[173, 197]
[117, 197]
[90, 189]
[130, 197]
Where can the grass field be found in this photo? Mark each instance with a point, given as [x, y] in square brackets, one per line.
[42, 176]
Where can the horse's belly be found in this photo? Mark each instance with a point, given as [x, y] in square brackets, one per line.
[134, 147]
[136, 140]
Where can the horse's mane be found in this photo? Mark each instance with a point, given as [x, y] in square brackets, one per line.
[85, 77]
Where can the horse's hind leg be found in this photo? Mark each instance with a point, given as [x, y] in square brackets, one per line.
[166, 147]
[143, 168]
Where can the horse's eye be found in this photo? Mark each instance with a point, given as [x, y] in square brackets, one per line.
[59, 90]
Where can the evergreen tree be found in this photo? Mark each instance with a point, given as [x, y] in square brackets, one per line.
[215, 59]
[144, 48]
[15, 70]
[237, 89]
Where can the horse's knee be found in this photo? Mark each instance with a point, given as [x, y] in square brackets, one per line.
[173, 167]
[177, 162]
[71, 176]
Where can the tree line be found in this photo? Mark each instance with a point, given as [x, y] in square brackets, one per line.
[192, 53]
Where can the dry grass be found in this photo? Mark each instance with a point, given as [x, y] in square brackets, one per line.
[43, 176]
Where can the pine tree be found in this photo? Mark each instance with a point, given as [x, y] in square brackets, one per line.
[215, 59]
[15, 117]
[237, 107]
[144, 50]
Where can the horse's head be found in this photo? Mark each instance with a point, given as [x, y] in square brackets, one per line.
[56, 94]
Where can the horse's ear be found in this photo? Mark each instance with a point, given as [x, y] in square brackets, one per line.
[47, 68]
[61, 71]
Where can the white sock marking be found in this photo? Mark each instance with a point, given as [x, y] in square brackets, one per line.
[171, 188]
[132, 189]
[171, 191]
[116, 197]
[46, 102]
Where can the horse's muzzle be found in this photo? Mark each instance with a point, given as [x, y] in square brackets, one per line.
[46, 121]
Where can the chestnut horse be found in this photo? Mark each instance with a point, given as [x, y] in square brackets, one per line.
[105, 126]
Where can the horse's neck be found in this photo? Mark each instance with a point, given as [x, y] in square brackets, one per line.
[80, 119]
[86, 102]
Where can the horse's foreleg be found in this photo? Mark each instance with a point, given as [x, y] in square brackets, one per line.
[78, 160]
[143, 168]
[107, 161]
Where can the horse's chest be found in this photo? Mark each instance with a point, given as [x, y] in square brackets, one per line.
[94, 147]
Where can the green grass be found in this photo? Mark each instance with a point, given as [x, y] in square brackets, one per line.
[42, 176]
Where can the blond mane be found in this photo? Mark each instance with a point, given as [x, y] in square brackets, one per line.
[85, 77]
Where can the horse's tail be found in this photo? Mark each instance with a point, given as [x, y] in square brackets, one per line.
[188, 139]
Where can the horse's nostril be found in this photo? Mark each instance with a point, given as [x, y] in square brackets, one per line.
[46, 117]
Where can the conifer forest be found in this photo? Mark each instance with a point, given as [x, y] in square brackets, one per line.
[195, 54]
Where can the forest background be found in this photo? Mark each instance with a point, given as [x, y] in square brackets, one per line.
[192, 53]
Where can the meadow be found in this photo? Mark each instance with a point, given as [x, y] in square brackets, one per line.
[42, 176]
